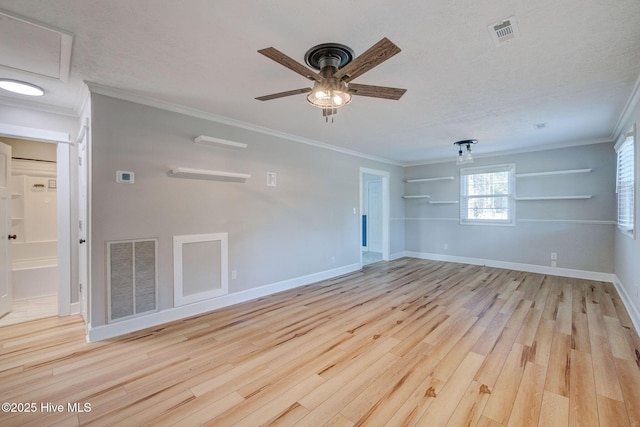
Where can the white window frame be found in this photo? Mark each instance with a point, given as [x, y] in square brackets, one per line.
[626, 182]
[464, 197]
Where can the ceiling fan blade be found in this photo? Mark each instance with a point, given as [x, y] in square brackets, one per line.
[283, 94]
[376, 91]
[281, 58]
[374, 56]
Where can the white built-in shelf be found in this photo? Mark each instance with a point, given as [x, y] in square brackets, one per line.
[418, 196]
[580, 197]
[15, 195]
[561, 172]
[442, 202]
[210, 141]
[209, 174]
[435, 178]
[16, 219]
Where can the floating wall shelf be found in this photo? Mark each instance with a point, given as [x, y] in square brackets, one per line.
[209, 175]
[442, 202]
[561, 172]
[419, 196]
[437, 178]
[581, 197]
[210, 141]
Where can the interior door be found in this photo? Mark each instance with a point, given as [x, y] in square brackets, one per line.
[5, 229]
[374, 190]
[83, 270]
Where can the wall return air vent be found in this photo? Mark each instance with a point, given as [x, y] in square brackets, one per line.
[504, 31]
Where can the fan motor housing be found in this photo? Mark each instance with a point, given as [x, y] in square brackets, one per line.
[332, 54]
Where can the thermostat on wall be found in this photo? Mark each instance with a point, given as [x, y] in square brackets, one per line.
[124, 176]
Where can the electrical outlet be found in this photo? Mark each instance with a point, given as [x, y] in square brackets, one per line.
[234, 274]
[554, 263]
[333, 260]
[554, 255]
[446, 246]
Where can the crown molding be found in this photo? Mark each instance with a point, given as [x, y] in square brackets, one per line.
[566, 144]
[37, 106]
[176, 108]
[629, 108]
[81, 100]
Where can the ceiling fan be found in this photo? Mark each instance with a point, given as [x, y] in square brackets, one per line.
[336, 67]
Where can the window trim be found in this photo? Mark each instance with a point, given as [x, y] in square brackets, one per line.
[511, 212]
[626, 139]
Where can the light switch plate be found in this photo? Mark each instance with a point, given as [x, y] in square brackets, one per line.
[271, 179]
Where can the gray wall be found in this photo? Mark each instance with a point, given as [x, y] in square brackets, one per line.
[572, 228]
[275, 233]
[627, 260]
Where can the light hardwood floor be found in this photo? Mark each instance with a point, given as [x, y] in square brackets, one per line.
[24, 310]
[409, 342]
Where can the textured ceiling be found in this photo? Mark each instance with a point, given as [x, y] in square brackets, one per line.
[573, 66]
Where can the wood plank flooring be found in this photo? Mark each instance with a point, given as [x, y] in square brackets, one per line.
[405, 343]
[26, 309]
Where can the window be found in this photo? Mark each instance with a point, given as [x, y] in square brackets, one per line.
[625, 182]
[486, 195]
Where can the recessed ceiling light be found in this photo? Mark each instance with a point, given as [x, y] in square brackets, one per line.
[20, 87]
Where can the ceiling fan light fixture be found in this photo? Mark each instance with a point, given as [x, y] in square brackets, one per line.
[20, 87]
[337, 65]
[329, 94]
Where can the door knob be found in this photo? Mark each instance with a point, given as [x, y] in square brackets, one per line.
[12, 237]
[82, 241]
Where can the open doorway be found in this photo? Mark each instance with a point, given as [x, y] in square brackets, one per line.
[57, 183]
[34, 230]
[374, 220]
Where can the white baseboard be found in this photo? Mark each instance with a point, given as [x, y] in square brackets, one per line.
[531, 268]
[397, 255]
[74, 308]
[628, 303]
[111, 330]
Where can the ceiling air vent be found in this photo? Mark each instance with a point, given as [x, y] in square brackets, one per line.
[504, 31]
